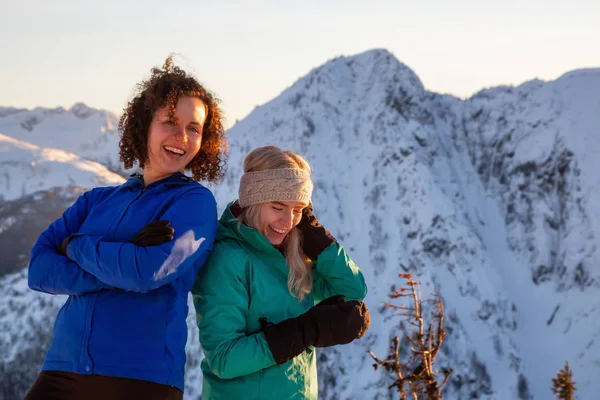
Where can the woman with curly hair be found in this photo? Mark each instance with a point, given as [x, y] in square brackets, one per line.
[128, 255]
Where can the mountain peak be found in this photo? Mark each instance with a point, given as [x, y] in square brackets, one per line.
[79, 110]
[369, 82]
[583, 72]
[5, 111]
[91, 133]
[82, 111]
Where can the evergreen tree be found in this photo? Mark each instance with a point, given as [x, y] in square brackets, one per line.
[563, 386]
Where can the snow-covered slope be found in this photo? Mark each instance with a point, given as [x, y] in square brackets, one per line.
[90, 133]
[534, 149]
[492, 202]
[26, 168]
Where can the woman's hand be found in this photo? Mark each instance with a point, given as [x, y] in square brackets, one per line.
[63, 245]
[315, 238]
[332, 322]
[153, 234]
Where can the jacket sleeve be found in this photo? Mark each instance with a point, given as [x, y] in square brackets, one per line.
[141, 269]
[221, 300]
[52, 272]
[335, 273]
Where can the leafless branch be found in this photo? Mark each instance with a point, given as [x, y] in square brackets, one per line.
[425, 339]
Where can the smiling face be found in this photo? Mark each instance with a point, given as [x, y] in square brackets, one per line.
[174, 141]
[278, 218]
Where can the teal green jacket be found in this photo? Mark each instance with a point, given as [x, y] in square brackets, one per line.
[244, 279]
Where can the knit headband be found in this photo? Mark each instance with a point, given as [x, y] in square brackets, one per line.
[282, 184]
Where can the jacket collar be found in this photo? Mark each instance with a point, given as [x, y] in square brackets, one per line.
[230, 227]
[177, 179]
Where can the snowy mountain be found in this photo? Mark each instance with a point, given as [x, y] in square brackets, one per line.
[26, 168]
[491, 201]
[36, 185]
[90, 133]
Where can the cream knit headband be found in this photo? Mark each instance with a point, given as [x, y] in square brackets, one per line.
[282, 184]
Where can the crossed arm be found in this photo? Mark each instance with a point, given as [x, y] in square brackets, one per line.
[93, 264]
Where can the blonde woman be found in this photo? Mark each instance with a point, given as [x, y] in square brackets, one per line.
[255, 297]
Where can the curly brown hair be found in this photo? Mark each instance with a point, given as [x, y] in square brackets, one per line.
[163, 89]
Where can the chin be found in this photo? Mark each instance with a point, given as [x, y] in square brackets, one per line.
[173, 169]
[275, 243]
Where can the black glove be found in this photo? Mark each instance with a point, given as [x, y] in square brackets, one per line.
[63, 245]
[315, 238]
[154, 233]
[338, 298]
[329, 323]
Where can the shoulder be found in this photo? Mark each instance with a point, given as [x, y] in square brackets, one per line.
[229, 252]
[194, 198]
[99, 193]
[197, 191]
[227, 258]
[227, 265]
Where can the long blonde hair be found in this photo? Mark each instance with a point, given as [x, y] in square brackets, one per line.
[300, 278]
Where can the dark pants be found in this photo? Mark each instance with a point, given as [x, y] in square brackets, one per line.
[59, 385]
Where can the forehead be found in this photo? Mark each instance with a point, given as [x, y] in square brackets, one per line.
[187, 107]
[290, 204]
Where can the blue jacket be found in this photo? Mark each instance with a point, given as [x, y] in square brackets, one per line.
[126, 311]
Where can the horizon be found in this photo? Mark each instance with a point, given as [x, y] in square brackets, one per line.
[68, 107]
[96, 53]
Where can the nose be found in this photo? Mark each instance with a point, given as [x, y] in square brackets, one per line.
[287, 219]
[180, 135]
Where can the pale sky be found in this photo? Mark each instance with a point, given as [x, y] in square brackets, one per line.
[56, 53]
